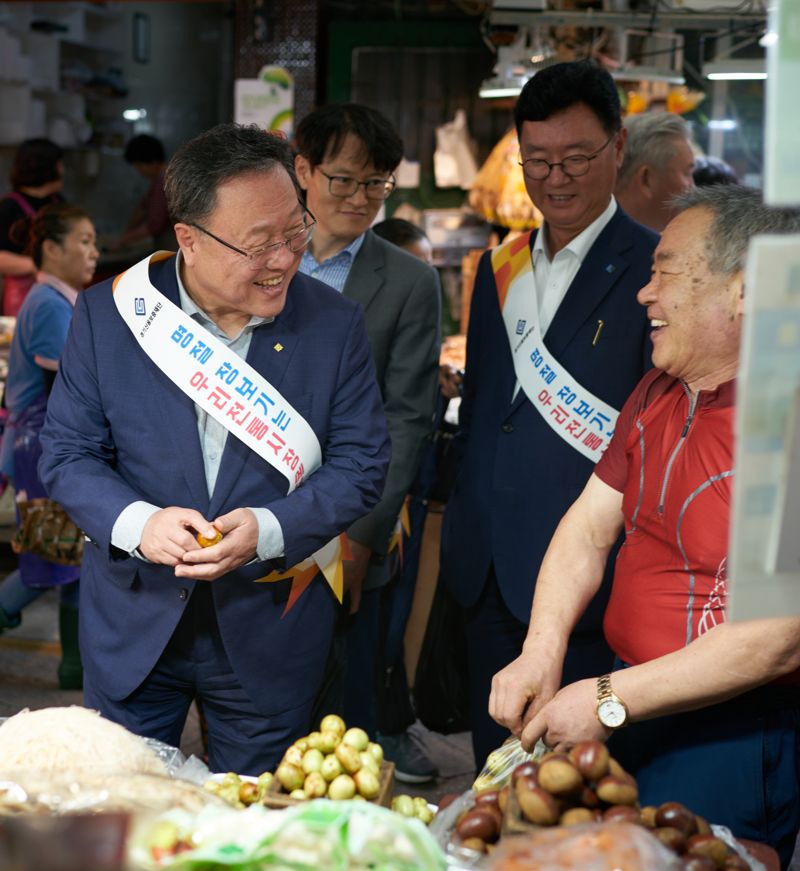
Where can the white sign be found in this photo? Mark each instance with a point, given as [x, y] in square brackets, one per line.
[267, 101]
[764, 564]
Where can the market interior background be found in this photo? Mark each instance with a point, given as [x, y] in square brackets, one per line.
[91, 75]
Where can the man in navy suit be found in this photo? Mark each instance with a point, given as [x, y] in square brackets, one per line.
[556, 342]
[143, 461]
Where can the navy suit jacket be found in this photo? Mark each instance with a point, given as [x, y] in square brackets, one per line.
[117, 431]
[518, 477]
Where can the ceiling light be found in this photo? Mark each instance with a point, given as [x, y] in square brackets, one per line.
[735, 69]
[134, 114]
[722, 124]
[648, 74]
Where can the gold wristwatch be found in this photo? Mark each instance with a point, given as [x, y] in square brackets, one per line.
[611, 710]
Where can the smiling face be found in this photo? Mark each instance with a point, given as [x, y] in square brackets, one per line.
[569, 205]
[74, 258]
[695, 313]
[339, 219]
[252, 210]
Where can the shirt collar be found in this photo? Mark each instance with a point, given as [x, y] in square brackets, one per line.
[62, 287]
[582, 243]
[348, 252]
[194, 311]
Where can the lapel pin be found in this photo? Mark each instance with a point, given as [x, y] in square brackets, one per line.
[278, 347]
[610, 268]
[599, 330]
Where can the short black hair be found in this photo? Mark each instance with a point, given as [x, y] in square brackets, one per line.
[145, 149]
[399, 232]
[52, 222]
[323, 131]
[713, 170]
[563, 85]
[227, 151]
[36, 163]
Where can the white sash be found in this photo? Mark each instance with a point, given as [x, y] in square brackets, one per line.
[216, 378]
[583, 421]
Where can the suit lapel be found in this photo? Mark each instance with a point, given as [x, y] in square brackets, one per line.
[264, 356]
[602, 268]
[366, 275]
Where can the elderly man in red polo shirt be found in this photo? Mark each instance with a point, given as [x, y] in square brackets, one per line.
[711, 709]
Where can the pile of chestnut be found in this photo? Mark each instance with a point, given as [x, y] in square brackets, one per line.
[583, 786]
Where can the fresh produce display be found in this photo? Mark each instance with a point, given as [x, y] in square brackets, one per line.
[415, 806]
[334, 836]
[240, 791]
[586, 785]
[335, 762]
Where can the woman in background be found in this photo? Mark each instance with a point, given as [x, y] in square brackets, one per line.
[61, 242]
[37, 177]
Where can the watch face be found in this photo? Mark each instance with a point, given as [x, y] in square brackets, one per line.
[611, 714]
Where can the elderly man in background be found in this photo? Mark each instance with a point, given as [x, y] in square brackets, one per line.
[658, 166]
[711, 709]
[223, 395]
[556, 342]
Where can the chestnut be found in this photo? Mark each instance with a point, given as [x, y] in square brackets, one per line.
[559, 776]
[538, 806]
[708, 845]
[617, 790]
[576, 815]
[524, 769]
[591, 759]
[671, 837]
[622, 813]
[478, 823]
[698, 863]
[677, 816]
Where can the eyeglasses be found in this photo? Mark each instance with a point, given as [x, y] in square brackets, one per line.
[261, 256]
[573, 166]
[344, 186]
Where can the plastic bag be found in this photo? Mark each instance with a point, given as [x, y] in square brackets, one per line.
[496, 772]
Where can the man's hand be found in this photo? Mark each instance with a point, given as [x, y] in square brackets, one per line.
[355, 570]
[450, 380]
[238, 546]
[169, 534]
[569, 717]
[522, 688]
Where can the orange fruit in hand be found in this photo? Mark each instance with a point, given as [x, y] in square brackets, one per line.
[207, 542]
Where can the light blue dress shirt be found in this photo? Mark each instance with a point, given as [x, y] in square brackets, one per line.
[334, 270]
[127, 531]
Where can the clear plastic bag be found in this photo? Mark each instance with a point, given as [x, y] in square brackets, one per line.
[496, 773]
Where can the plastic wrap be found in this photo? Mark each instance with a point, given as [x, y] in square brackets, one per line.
[496, 772]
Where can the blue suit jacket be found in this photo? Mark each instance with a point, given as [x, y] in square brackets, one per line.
[118, 430]
[517, 476]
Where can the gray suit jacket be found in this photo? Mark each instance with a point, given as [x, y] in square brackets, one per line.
[401, 301]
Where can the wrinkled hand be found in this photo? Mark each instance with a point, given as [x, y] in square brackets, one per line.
[240, 530]
[450, 381]
[355, 570]
[521, 689]
[569, 717]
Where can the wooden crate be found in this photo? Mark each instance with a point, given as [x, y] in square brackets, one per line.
[277, 798]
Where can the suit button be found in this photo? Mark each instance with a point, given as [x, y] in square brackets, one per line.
[507, 427]
[184, 594]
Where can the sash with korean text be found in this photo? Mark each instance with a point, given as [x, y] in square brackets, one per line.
[579, 417]
[217, 379]
[232, 392]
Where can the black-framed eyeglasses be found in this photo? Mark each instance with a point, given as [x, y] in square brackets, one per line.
[573, 166]
[345, 186]
[259, 258]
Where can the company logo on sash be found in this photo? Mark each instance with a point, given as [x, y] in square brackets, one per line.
[579, 417]
[139, 306]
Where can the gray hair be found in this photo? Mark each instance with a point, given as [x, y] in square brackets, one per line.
[652, 139]
[201, 165]
[739, 213]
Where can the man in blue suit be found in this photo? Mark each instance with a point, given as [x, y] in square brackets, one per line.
[253, 413]
[556, 342]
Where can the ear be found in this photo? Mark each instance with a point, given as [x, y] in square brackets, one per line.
[187, 242]
[303, 171]
[644, 178]
[50, 248]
